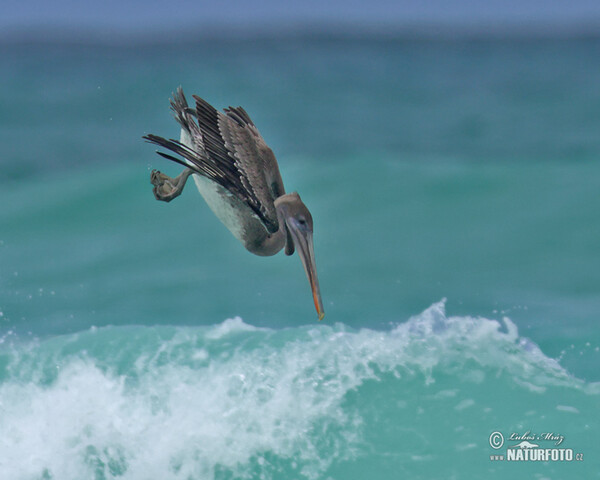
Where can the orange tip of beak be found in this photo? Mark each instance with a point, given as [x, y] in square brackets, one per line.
[318, 307]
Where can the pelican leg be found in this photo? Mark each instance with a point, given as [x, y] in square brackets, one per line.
[167, 188]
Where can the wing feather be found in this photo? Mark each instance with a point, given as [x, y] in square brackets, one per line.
[252, 157]
[228, 149]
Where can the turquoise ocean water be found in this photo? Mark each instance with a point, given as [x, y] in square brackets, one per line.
[454, 186]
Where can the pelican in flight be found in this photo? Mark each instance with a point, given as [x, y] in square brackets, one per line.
[238, 176]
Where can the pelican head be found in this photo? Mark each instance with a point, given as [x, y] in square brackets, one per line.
[298, 223]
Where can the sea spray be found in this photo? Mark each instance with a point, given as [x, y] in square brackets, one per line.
[236, 401]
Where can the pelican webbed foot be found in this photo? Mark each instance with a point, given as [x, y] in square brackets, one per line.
[167, 188]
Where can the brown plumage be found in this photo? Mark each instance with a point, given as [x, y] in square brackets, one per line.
[238, 176]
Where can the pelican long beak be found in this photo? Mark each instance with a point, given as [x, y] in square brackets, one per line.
[303, 241]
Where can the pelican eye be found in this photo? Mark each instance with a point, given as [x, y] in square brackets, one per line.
[302, 222]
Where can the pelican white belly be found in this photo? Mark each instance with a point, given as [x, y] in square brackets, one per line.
[238, 217]
[234, 214]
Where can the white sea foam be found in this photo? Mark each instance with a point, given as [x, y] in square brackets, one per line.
[198, 402]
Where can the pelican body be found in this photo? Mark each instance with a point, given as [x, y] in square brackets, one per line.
[238, 176]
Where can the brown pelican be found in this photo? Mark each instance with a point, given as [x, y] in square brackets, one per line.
[238, 176]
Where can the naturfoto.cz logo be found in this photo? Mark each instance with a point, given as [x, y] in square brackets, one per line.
[528, 448]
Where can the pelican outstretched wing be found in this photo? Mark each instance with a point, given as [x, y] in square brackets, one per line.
[227, 148]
